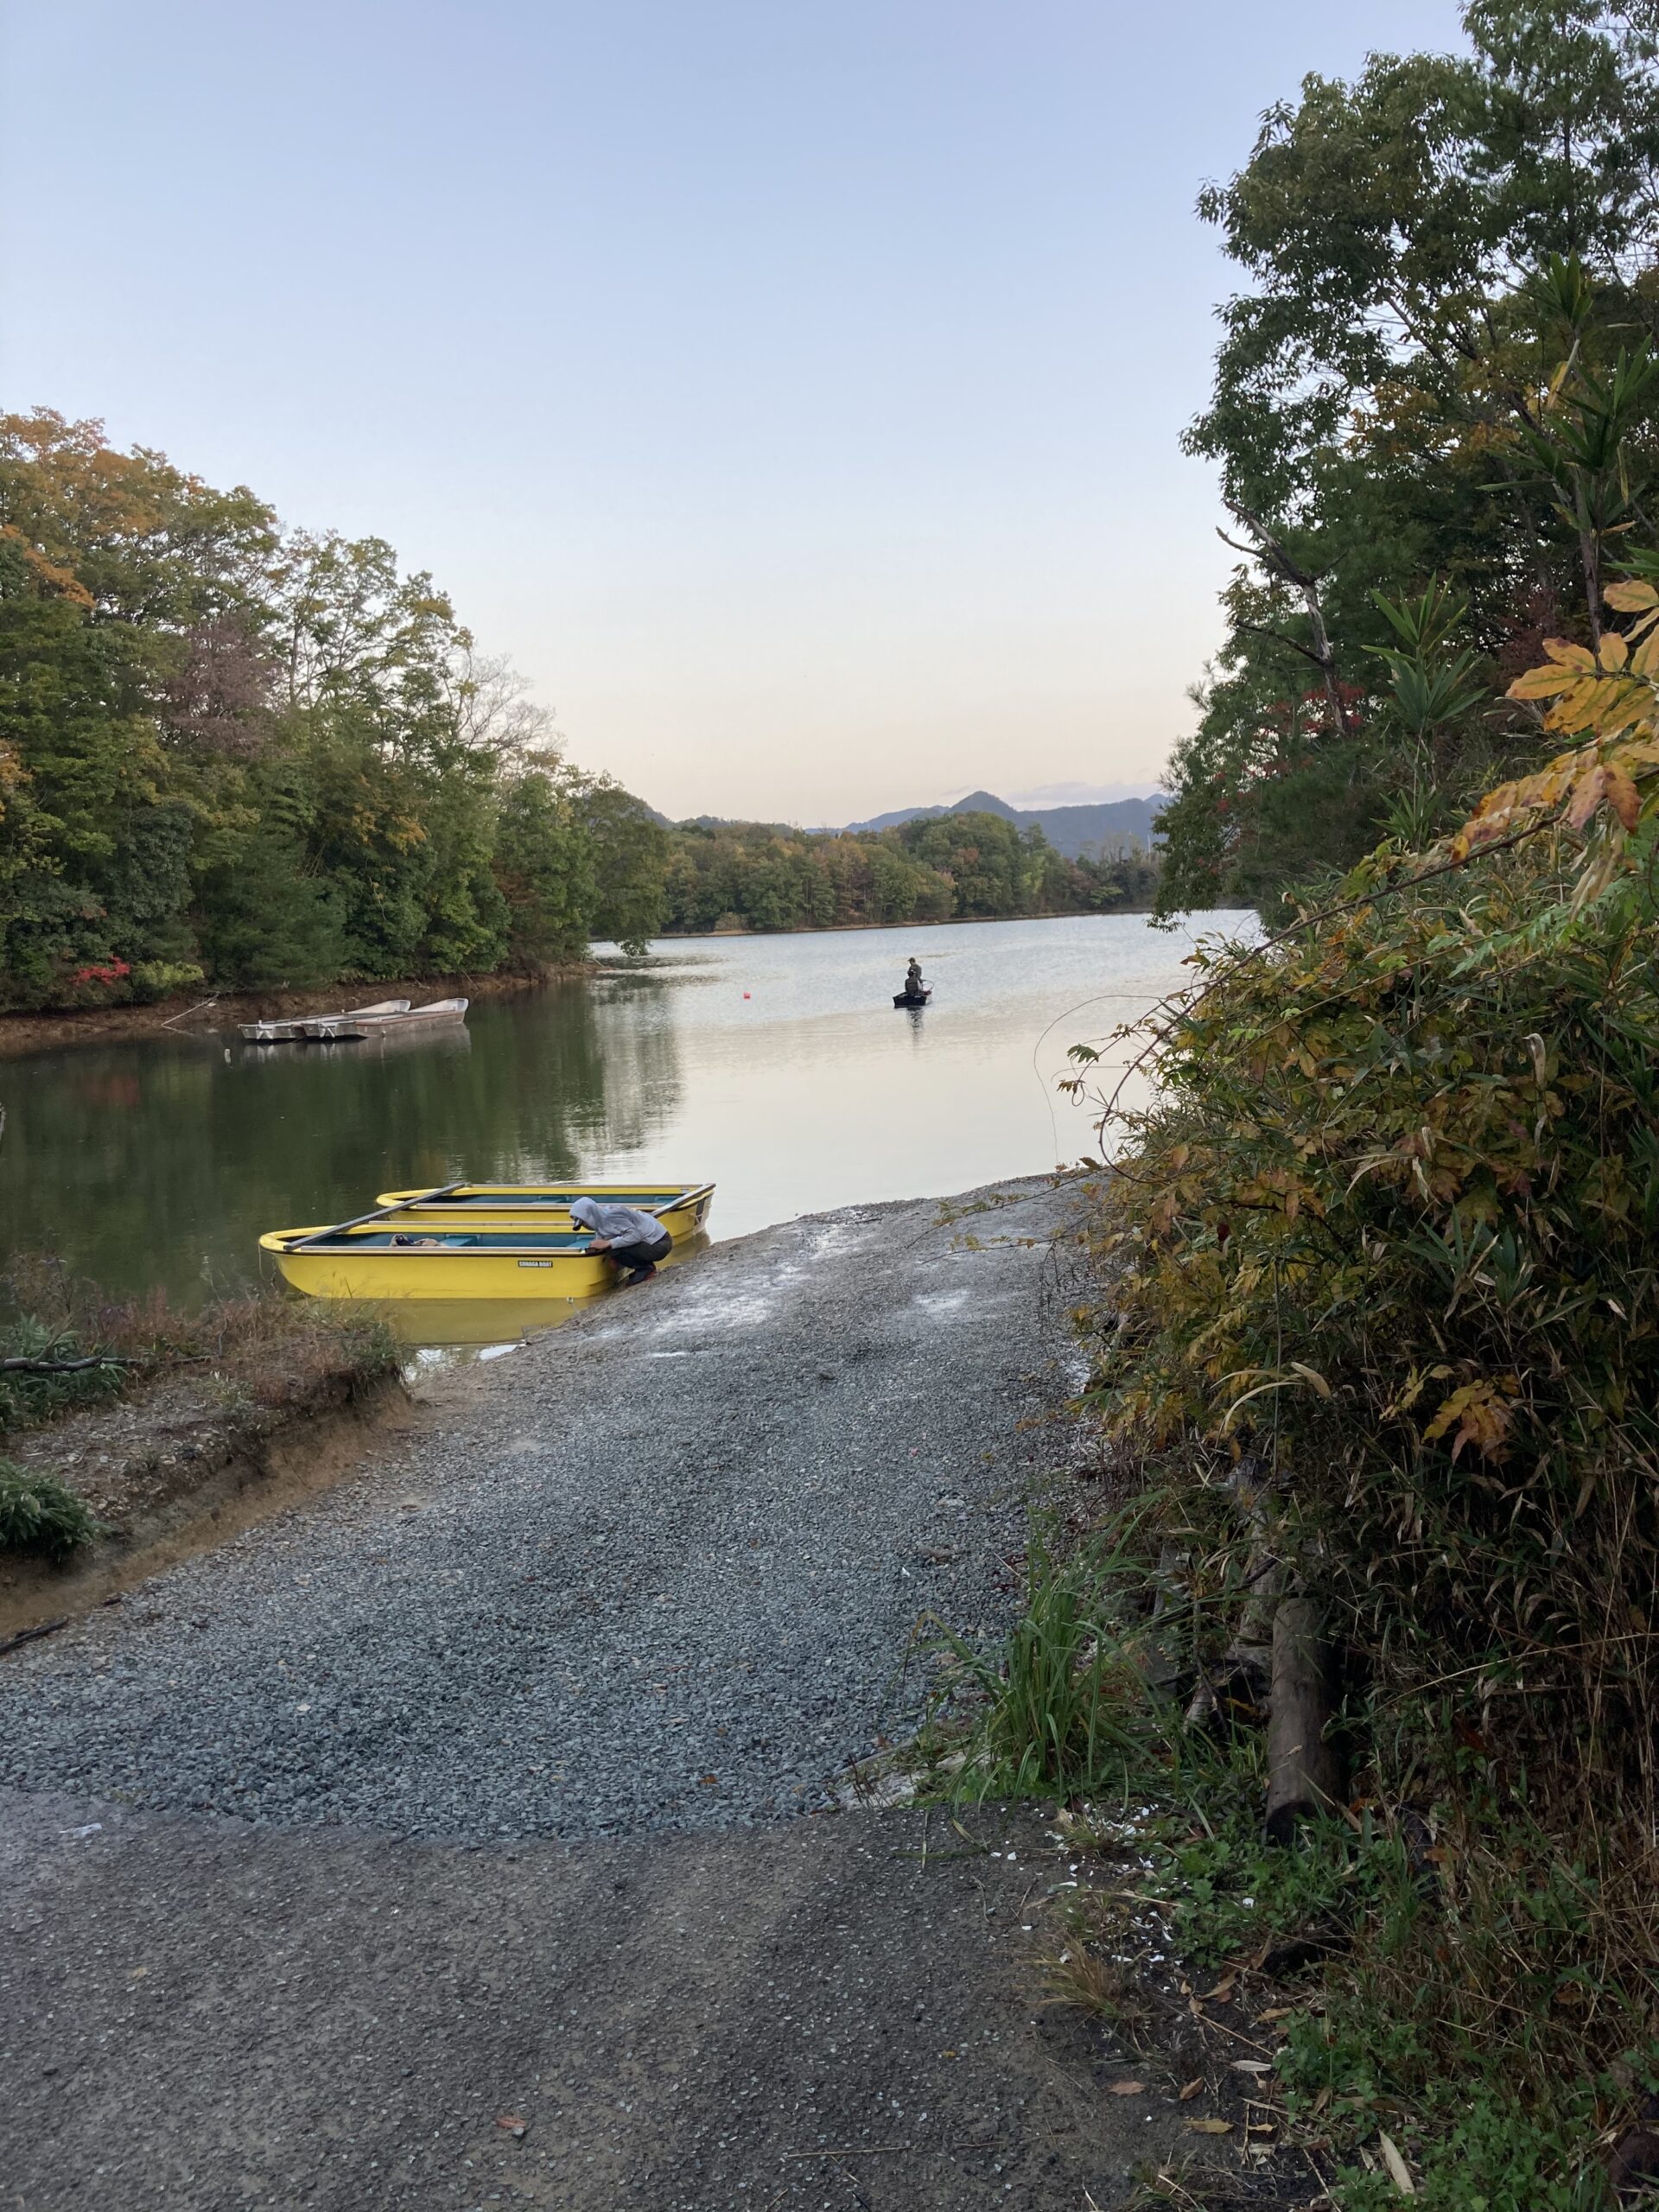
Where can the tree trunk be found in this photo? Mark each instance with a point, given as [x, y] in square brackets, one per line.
[1302, 1771]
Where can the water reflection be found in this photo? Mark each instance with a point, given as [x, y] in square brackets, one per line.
[778, 1067]
[163, 1161]
[478, 1321]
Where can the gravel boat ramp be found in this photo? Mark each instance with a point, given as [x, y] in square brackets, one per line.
[469, 1834]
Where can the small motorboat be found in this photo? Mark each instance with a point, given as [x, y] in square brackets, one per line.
[470, 1240]
[912, 998]
[296, 1031]
[379, 1021]
[682, 1208]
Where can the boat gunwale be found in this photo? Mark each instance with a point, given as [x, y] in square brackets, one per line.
[507, 1198]
[279, 1241]
[254, 1033]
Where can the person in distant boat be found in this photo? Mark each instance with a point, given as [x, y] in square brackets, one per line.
[632, 1241]
[914, 987]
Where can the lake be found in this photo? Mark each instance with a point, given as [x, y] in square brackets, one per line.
[778, 1066]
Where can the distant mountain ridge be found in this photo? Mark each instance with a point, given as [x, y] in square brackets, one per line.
[1070, 830]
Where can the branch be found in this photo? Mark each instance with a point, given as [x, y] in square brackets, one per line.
[1274, 553]
[1260, 630]
[64, 1366]
[1278, 562]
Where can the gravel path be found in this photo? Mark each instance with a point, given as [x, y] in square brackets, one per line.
[658, 1572]
[512, 1913]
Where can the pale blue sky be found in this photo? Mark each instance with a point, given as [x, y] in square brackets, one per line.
[792, 390]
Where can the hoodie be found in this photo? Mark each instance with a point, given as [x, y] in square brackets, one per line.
[618, 1224]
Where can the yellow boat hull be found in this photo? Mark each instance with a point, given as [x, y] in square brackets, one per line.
[382, 1271]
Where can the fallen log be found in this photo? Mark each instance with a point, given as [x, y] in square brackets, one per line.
[1303, 1776]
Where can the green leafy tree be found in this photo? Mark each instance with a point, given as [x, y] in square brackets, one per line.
[273, 754]
[545, 868]
[995, 868]
[267, 920]
[1424, 249]
[629, 849]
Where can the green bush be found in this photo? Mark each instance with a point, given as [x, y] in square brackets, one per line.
[1381, 1268]
[153, 979]
[1391, 1234]
[38, 1516]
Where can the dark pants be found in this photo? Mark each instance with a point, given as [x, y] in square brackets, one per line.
[636, 1258]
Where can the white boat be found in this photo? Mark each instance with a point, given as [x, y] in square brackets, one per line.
[295, 1031]
[380, 1021]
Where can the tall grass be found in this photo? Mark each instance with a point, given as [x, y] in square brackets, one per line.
[1062, 1706]
[274, 1348]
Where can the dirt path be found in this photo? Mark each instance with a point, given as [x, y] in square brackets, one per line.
[201, 2014]
[519, 1720]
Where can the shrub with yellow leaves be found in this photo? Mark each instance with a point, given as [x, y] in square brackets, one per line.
[1388, 1239]
[1608, 695]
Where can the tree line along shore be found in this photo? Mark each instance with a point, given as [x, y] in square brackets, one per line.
[235, 755]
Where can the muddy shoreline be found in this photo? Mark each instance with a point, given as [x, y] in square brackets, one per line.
[168, 1477]
[200, 1014]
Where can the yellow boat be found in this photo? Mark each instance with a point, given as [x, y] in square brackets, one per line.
[472, 1241]
[395, 1258]
[682, 1208]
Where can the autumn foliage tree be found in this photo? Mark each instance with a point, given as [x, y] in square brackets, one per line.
[260, 756]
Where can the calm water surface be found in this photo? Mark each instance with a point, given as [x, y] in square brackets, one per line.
[778, 1066]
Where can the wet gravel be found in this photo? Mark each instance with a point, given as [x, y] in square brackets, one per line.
[659, 1571]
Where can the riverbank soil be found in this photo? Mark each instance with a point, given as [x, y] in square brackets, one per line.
[468, 1797]
[178, 1470]
[272, 1399]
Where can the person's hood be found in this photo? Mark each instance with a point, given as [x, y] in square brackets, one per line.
[585, 1213]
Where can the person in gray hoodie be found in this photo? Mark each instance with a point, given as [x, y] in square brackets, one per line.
[630, 1240]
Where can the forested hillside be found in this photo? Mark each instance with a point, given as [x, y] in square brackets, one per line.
[952, 866]
[256, 755]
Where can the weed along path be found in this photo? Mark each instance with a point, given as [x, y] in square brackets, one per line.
[466, 1835]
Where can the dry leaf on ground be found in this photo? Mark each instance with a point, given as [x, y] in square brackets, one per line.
[1399, 2172]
